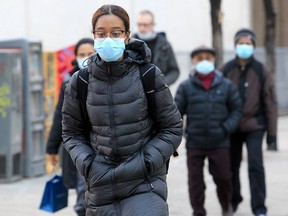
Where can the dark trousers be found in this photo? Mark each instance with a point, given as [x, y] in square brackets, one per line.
[256, 172]
[219, 168]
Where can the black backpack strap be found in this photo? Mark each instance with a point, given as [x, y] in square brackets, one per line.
[147, 75]
[82, 83]
[82, 88]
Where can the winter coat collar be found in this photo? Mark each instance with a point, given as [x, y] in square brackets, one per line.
[216, 81]
[249, 63]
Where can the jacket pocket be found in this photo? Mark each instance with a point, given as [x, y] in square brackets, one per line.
[132, 169]
[100, 171]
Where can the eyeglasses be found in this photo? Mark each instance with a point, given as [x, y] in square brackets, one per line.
[114, 34]
[144, 24]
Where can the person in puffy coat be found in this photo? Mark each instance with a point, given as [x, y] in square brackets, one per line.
[212, 106]
[124, 161]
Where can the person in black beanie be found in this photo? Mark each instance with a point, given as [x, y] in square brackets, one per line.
[257, 91]
[71, 178]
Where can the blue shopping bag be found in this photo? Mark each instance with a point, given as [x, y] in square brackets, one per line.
[55, 196]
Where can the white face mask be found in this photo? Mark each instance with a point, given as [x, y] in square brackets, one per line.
[82, 62]
[110, 49]
[205, 67]
[147, 36]
[244, 51]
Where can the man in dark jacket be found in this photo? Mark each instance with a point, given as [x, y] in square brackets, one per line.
[162, 52]
[257, 91]
[212, 107]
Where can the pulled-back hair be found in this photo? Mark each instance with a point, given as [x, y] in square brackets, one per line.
[83, 41]
[111, 9]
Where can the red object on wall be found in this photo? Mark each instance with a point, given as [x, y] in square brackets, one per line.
[65, 57]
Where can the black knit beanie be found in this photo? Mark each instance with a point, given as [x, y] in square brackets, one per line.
[246, 33]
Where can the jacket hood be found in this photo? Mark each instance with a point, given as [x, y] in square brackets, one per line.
[137, 51]
[216, 81]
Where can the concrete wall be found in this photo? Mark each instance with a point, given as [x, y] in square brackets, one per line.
[187, 23]
[61, 23]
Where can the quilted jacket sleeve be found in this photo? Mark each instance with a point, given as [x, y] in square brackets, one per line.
[73, 128]
[181, 99]
[235, 109]
[270, 102]
[169, 125]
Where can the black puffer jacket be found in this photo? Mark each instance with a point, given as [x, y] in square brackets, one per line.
[210, 115]
[124, 165]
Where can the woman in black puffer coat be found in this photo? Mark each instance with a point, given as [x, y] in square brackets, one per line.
[124, 163]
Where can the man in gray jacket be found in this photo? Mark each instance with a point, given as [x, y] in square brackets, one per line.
[162, 52]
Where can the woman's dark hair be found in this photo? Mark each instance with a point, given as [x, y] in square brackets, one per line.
[78, 44]
[83, 41]
[111, 9]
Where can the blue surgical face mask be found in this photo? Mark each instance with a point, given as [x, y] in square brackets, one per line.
[205, 67]
[109, 49]
[147, 36]
[244, 51]
[82, 62]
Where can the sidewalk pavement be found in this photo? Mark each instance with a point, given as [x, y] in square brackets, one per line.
[22, 198]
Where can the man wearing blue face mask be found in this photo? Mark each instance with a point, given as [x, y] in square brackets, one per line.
[212, 107]
[257, 91]
[162, 52]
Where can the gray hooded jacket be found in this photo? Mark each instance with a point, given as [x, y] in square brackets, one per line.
[124, 163]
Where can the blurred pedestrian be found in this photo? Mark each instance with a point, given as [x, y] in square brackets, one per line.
[124, 161]
[257, 91]
[162, 52]
[71, 178]
[212, 107]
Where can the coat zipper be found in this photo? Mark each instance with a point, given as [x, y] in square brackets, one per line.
[111, 113]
